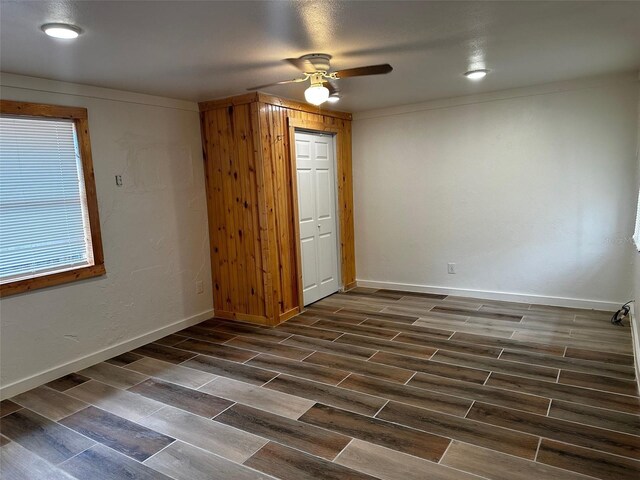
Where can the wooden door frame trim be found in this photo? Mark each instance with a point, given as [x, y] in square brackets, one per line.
[313, 126]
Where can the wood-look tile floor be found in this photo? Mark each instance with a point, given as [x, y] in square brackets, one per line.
[365, 384]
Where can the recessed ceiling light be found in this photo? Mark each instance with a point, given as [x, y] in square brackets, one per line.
[61, 30]
[476, 74]
[333, 99]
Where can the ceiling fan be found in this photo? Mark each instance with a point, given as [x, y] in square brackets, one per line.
[315, 68]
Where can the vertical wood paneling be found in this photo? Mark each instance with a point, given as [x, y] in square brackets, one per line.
[251, 203]
[232, 199]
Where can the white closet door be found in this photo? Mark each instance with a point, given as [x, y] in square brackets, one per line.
[317, 211]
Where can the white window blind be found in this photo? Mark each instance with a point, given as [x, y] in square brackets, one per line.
[44, 224]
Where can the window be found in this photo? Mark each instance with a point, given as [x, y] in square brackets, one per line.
[49, 226]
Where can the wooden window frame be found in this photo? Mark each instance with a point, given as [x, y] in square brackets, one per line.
[80, 119]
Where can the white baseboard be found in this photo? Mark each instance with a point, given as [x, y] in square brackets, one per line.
[635, 339]
[20, 386]
[491, 295]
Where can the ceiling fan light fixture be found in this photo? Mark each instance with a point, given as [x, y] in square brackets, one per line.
[316, 94]
[61, 30]
[476, 74]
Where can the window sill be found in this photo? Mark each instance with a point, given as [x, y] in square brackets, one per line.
[45, 281]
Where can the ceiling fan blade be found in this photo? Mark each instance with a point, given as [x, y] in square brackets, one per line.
[361, 71]
[284, 82]
[332, 88]
[301, 64]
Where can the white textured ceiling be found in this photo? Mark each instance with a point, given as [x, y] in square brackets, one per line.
[210, 49]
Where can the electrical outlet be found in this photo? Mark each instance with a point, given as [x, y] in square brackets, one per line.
[119, 180]
[199, 287]
[451, 268]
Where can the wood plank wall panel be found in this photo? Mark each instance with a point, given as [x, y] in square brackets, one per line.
[232, 197]
[251, 205]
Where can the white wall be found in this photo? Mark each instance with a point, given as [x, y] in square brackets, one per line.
[154, 231]
[530, 191]
[635, 325]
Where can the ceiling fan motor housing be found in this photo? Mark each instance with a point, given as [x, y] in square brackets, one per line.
[320, 61]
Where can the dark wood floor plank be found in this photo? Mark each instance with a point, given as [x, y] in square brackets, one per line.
[408, 328]
[405, 293]
[408, 394]
[387, 345]
[126, 437]
[561, 430]
[49, 403]
[498, 466]
[388, 464]
[224, 368]
[330, 347]
[45, 438]
[170, 340]
[461, 326]
[237, 328]
[585, 396]
[376, 293]
[216, 350]
[576, 365]
[597, 417]
[495, 365]
[340, 362]
[382, 316]
[595, 356]
[320, 305]
[161, 352]
[207, 334]
[508, 343]
[465, 374]
[185, 462]
[448, 345]
[495, 396]
[364, 330]
[588, 462]
[477, 313]
[327, 394]
[215, 437]
[117, 377]
[462, 429]
[317, 373]
[272, 348]
[599, 382]
[102, 463]
[18, 463]
[7, 407]
[373, 430]
[289, 464]
[124, 359]
[484, 301]
[114, 400]
[308, 331]
[68, 381]
[341, 317]
[185, 398]
[293, 433]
